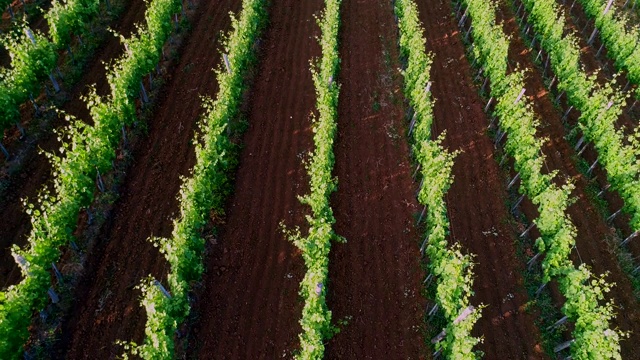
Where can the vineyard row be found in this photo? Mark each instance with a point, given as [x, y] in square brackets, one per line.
[451, 269]
[88, 152]
[583, 291]
[205, 191]
[34, 56]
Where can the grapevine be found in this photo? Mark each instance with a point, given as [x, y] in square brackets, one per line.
[621, 44]
[88, 151]
[593, 338]
[600, 106]
[34, 55]
[452, 270]
[203, 192]
[315, 247]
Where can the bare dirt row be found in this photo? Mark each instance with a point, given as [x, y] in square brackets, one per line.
[375, 277]
[249, 307]
[476, 201]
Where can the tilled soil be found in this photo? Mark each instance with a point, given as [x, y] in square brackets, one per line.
[36, 169]
[476, 200]
[249, 307]
[107, 308]
[594, 235]
[375, 277]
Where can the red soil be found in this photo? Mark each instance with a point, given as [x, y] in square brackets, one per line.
[375, 277]
[253, 275]
[479, 219]
[36, 169]
[107, 307]
[249, 307]
[594, 235]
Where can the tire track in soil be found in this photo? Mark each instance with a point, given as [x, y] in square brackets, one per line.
[594, 236]
[476, 200]
[253, 273]
[375, 278]
[36, 170]
[107, 308]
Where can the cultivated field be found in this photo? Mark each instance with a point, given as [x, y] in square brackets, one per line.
[339, 179]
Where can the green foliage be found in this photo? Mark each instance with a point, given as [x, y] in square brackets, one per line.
[622, 44]
[67, 17]
[88, 149]
[315, 247]
[453, 271]
[593, 340]
[557, 231]
[31, 62]
[30, 65]
[599, 105]
[4, 4]
[201, 193]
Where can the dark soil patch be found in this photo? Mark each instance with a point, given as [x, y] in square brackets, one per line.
[249, 307]
[375, 277]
